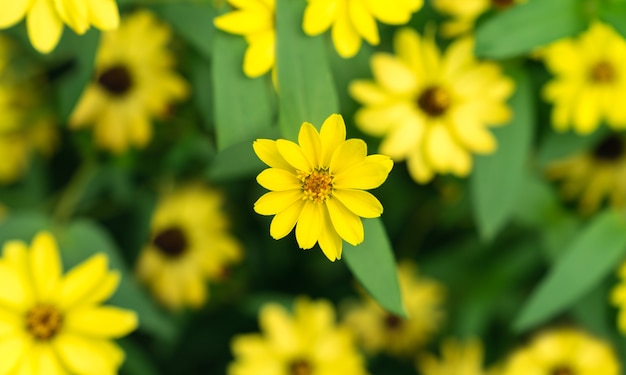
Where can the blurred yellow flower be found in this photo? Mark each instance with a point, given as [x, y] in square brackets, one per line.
[189, 244]
[305, 343]
[54, 324]
[464, 13]
[254, 19]
[563, 351]
[432, 110]
[380, 331]
[134, 81]
[590, 80]
[354, 20]
[594, 175]
[45, 18]
[319, 184]
[618, 298]
[458, 358]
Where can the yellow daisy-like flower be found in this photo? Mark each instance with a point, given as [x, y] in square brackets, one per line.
[590, 80]
[319, 184]
[134, 81]
[354, 20]
[52, 323]
[45, 18]
[464, 13]
[458, 358]
[305, 343]
[594, 175]
[380, 331]
[189, 244]
[618, 298]
[563, 351]
[254, 19]
[433, 110]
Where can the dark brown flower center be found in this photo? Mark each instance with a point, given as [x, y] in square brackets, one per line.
[317, 185]
[43, 322]
[434, 101]
[300, 367]
[502, 4]
[117, 80]
[393, 322]
[610, 149]
[602, 72]
[171, 241]
[562, 370]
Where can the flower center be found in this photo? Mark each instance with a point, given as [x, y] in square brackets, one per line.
[562, 370]
[393, 322]
[171, 241]
[502, 4]
[116, 80]
[43, 322]
[300, 367]
[317, 185]
[434, 101]
[610, 149]
[602, 72]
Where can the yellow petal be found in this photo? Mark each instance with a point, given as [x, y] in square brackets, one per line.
[266, 150]
[369, 174]
[100, 322]
[332, 134]
[407, 45]
[140, 130]
[10, 322]
[12, 349]
[402, 140]
[195, 290]
[104, 14]
[15, 293]
[310, 143]
[278, 180]
[367, 92]
[348, 154]
[279, 328]
[419, 169]
[392, 12]
[378, 120]
[75, 14]
[293, 154]
[87, 356]
[309, 225]
[318, 16]
[46, 360]
[88, 108]
[81, 281]
[347, 224]
[276, 201]
[393, 74]
[587, 112]
[44, 26]
[363, 22]
[243, 22]
[329, 239]
[45, 265]
[469, 131]
[444, 154]
[285, 220]
[359, 202]
[12, 12]
[260, 54]
[105, 290]
[345, 37]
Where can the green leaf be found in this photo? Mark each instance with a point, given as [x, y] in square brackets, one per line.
[243, 106]
[305, 83]
[373, 264]
[23, 226]
[591, 256]
[525, 27]
[614, 14]
[496, 180]
[560, 145]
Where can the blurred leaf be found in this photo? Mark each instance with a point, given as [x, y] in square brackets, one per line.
[306, 88]
[496, 180]
[243, 106]
[137, 361]
[560, 145]
[614, 13]
[373, 264]
[591, 255]
[525, 27]
[23, 226]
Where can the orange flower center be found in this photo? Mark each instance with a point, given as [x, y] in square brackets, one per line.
[300, 367]
[434, 101]
[116, 80]
[562, 370]
[172, 242]
[43, 322]
[317, 185]
[502, 4]
[610, 149]
[602, 72]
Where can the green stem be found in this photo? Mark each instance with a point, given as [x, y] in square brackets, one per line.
[70, 197]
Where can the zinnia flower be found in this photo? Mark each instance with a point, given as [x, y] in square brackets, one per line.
[458, 358]
[307, 342]
[189, 245]
[464, 13]
[354, 20]
[54, 324]
[134, 81]
[319, 185]
[432, 110]
[590, 80]
[45, 18]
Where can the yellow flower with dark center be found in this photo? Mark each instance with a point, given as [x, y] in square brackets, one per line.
[458, 358]
[433, 110]
[354, 20]
[254, 19]
[305, 343]
[380, 331]
[189, 245]
[52, 323]
[45, 18]
[594, 175]
[564, 351]
[134, 81]
[464, 13]
[618, 298]
[589, 86]
[319, 185]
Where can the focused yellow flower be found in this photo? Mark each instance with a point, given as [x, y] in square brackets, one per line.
[305, 343]
[319, 184]
[432, 110]
[379, 331]
[464, 13]
[45, 18]
[618, 298]
[134, 81]
[457, 358]
[189, 245]
[563, 351]
[590, 80]
[54, 324]
[254, 19]
[354, 20]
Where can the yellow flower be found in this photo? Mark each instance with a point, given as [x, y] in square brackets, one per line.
[189, 244]
[378, 330]
[464, 13]
[305, 343]
[456, 358]
[590, 80]
[594, 175]
[254, 19]
[45, 18]
[133, 82]
[432, 109]
[563, 351]
[320, 185]
[354, 20]
[54, 324]
[618, 298]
